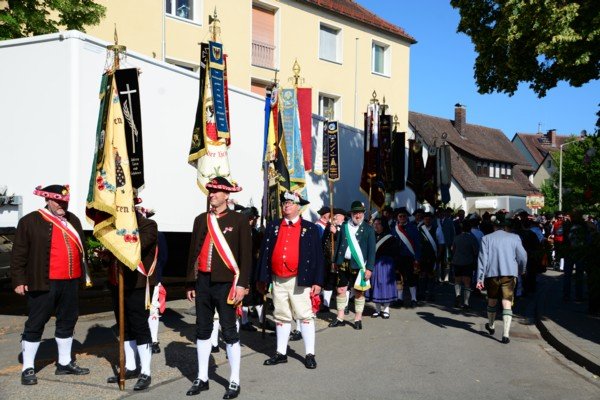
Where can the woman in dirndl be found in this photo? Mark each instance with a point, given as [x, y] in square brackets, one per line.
[383, 280]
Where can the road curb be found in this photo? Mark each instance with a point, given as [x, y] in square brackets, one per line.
[551, 334]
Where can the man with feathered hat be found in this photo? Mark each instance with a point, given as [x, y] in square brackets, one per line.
[219, 265]
[47, 266]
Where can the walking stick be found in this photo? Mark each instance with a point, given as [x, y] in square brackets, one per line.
[121, 328]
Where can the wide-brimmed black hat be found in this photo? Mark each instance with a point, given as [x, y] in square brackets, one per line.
[402, 210]
[295, 197]
[250, 212]
[221, 184]
[54, 192]
[324, 210]
[357, 206]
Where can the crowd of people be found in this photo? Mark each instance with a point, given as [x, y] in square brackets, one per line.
[392, 259]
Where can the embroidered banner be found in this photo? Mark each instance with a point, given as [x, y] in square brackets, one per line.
[129, 96]
[305, 116]
[110, 209]
[217, 82]
[293, 141]
[333, 148]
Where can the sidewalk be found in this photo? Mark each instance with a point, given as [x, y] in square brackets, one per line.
[567, 326]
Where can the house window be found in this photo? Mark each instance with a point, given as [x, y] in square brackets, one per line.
[497, 170]
[185, 9]
[328, 105]
[505, 171]
[263, 37]
[491, 170]
[478, 169]
[329, 44]
[380, 59]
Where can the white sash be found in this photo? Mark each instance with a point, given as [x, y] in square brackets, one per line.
[359, 253]
[381, 241]
[429, 238]
[405, 240]
[225, 252]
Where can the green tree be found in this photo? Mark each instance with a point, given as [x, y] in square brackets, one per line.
[540, 42]
[581, 175]
[550, 192]
[24, 18]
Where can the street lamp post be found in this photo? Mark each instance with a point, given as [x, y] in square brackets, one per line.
[560, 173]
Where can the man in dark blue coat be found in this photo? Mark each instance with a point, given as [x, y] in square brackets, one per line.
[410, 254]
[354, 255]
[291, 259]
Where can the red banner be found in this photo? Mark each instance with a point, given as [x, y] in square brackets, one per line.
[304, 96]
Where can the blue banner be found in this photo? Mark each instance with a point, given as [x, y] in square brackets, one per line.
[217, 83]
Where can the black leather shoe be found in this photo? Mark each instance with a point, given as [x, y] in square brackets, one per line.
[70, 369]
[489, 328]
[357, 325]
[129, 374]
[505, 340]
[310, 362]
[278, 358]
[28, 377]
[337, 322]
[143, 382]
[215, 349]
[295, 335]
[197, 387]
[232, 391]
[457, 300]
[413, 303]
[247, 327]
[155, 348]
[385, 315]
[375, 315]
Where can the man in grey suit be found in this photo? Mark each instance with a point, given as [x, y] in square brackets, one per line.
[501, 259]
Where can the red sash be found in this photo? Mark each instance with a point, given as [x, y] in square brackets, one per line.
[224, 251]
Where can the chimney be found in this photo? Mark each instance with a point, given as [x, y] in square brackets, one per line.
[551, 135]
[460, 118]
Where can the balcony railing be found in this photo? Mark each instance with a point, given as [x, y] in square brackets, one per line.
[263, 54]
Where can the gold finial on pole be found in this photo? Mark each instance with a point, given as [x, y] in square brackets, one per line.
[116, 49]
[374, 99]
[296, 78]
[396, 123]
[214, 28]
[384, 106]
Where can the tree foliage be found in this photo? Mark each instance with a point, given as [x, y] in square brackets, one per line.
[540, 42]
[581, 175]
[24, 18]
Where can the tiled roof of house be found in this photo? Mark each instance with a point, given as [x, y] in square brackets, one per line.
[539, 145]
[477, 142]
[356, 12]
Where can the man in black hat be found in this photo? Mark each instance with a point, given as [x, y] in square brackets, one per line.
[47, 266]
[291, 259]
[252, 298]
[354, 255]
[219, 265]
[331, 232]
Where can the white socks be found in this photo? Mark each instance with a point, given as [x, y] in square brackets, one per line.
[457, 288]
[244, 315]
[145, 353]
[308, 334]
[203, 348]
[386, 308]
[413, 293]
[153, 324]
[259, 311]
[64, 350]
[491, 312]
[214, 336]
[29, 349]
[234, 354]
[506, 319]
[359, 306]
[130, 353]
[283, 330]
[327, 297]
[467, 295]
[377, 308]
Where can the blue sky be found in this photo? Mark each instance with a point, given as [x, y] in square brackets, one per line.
[441, 75]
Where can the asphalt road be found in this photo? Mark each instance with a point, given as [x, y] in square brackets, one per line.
[430, 352]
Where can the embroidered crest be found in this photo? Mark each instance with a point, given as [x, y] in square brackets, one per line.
[228, 229]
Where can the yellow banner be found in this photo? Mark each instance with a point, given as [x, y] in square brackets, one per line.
[111, 210]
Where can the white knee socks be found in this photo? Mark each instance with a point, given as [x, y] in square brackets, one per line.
[457, 289]
[413, 292]
[130, 353]
[29, 350]
[283, 330]
[153, 324]
[308, 334]
[234, 355]
[244, 315]
[327, 297]
[203, 348]
[64, 350]
[506, 319]
[214, 336]
[145, 353]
